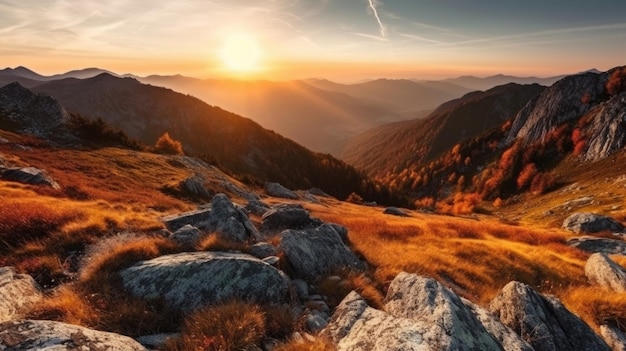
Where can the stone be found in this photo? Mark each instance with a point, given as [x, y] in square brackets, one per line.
[543, 321]
[277, 190]
[316, 252]
[615, 338]
[506, 337]
[195, 186]
[191, 280]
[286, 216]
[197, 218]
[23, 335]
[302, 288]
[258, 207]
[156, 341]
[591, 223]
[606, 131]
[444, 317]
[394, 211]
[602, 271]
[318, 192]
[262, 250]
[230, 221]
[591, 244]
[271, 260]
[29, 175]
[18, 292]
[357, 327]
[187, 236]
[315, 323]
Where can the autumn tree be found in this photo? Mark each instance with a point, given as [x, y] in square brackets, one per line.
[165, 144]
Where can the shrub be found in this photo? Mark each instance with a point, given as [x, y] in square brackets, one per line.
[526, 175]
[355, 198]
[617, 81]
[165, 144]
[231, 326]
[100, 132]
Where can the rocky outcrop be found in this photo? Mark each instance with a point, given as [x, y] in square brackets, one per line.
[230, 221]
[29, 175]
[315, 252]
[503, 334]
[615, 338]
[606, 131]
[194, 185]
[287, 216]
[189, 281]
[394, 211]
[602, 271]
[565, 100]
[591, 244]
[444, 318]
[198, 218]
[26, 335]
[543, 321]
[257, 207]
[582, 222]
[187, 237]
[277, 190]
[356, 326]
[17, 293]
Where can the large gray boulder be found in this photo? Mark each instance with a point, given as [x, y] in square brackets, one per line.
[614, 337]
[277, 190]
[543, 321]
[444, 317]
[230, 221]
[195, 185]
[287, 216]
[591, 244]
[357, 327]
[29, 175]
[18, 292]
[601, 270]
[26, 335]
[582, 222]
[191, 280]
[507, 338]
[316, 252]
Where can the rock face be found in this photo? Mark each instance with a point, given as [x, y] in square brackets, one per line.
[583, 222]
[601, 270]
[277, 190]
[445, 319]
[29, 175]
[287, 216]
[17, 292]
[47, 335]
[315, 252]
[606, 132]
[189, 281]
[356, 326]
[614, 337]
[591, 244]
[230, 221]
[542, 321]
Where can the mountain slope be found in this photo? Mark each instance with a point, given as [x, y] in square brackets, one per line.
[398, 146]
[476, 83]
[237, 144]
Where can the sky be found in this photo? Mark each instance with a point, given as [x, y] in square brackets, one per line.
[334, 39]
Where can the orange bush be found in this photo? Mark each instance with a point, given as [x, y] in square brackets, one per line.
[165, 144]
[526, 175]
[617, 81]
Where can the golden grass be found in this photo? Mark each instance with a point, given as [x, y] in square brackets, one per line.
[67, 305]
[231, 326]
[596, 306]
[318, 344]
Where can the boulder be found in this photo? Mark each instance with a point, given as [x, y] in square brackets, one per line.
[257, 207]
[191, 280]
[318, 192]
[601, 270]
[315, 252]
[615, 338]
[394, 211]
[583, 222]
[443, 316]
[29, 175]
[18, 292]
[198, 219]
[156, 341]
[277, 190]
[230, 221]
[195, 186]
[356, 326]
[29, 335]
[287, 216]
[263, 250]
[591, 244]
[543, 321]
[187, 236]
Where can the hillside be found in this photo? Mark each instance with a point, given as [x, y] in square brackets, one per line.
[238, 145]
[405, 145]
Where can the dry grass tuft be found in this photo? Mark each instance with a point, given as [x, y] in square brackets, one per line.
[65, 305]
[215, 242]
[318, 344]
[357, 281]
[597, 306]
[231, 326]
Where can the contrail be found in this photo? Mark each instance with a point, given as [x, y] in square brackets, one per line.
[380, 23]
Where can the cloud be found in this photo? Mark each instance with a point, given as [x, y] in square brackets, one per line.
[383, 29]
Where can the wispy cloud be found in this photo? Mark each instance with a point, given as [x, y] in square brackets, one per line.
[369, 36]
[381, 26]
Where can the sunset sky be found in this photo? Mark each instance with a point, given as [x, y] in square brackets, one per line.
[335, 39]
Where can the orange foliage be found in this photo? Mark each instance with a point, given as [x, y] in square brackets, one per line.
[541, 183]
[617, 81]
[427, 202]
[526, 175]
[579, 147]
[165, 144]
[497, 203]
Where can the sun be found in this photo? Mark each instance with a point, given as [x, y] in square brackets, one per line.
[240, 53]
